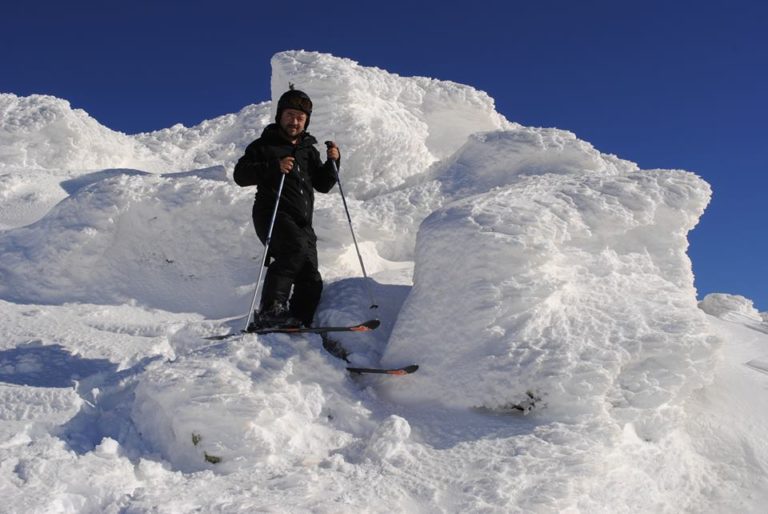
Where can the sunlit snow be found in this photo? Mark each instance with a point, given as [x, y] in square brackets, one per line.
[543, 287]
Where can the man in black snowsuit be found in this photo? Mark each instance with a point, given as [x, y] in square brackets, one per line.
[286, 149]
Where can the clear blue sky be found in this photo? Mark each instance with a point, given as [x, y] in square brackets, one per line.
[669, 84]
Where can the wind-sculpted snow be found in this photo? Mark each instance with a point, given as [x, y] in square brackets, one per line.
[579, 283]
[569, 291]
[389, 127]
[547, 275]
[727, 306]
[573, 287]
[216, 142]
[43, 132]
[179, 242]
[487, 160]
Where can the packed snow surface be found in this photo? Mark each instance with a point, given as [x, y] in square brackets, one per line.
[542, 286]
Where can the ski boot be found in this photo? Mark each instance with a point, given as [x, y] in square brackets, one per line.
[275, 316]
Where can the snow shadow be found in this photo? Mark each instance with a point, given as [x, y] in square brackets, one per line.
[106, 392]
[38, 365]
[763, 328]
[443, 427]
[210, 173]
[106, 412]
[349, 301]
[75, 184]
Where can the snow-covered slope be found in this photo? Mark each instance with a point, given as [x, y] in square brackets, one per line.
[546, 274]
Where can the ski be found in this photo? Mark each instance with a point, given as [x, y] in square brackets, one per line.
[407, 370]
[366, 326]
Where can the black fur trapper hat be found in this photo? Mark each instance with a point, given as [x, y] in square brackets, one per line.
[294, 99]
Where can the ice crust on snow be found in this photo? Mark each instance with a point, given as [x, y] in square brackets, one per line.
[542, 268]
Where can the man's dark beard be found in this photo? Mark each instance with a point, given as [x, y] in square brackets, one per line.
[287, 136]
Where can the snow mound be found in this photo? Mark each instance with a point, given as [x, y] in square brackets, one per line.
[180, 242]
[228, 412]
[573, 287]
[731, 308]
[494, 159]
[44, 132]
[487, 160]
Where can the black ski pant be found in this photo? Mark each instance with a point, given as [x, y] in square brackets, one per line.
[292, 263]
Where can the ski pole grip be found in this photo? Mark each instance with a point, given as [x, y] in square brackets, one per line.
[330, 144]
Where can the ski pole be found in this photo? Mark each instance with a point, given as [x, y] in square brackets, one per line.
[349, 219]
[266, 251]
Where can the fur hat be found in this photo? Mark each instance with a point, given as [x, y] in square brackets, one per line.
[294, 99]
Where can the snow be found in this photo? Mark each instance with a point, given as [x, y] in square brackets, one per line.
[542, 286]
[731, 307]
[555, 263]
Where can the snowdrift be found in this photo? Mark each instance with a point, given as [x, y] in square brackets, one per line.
[176, 242]
[546, 275]
[544, 292]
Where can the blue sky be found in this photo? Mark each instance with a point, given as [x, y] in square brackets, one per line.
[673, 84]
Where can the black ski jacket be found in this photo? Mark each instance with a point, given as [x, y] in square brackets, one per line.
[260, 166]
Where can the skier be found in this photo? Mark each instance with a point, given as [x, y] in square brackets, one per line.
[293, 285]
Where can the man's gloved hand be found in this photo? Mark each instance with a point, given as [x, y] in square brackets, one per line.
[333, 151]
[286, 164]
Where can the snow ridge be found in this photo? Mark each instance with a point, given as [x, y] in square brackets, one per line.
[44, 132]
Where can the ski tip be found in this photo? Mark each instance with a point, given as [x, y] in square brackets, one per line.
[406, 370]
[372, 324]
[222, 337]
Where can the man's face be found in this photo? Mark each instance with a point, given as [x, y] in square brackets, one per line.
[292, 122]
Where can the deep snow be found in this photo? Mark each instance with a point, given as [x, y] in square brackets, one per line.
[518, 266]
